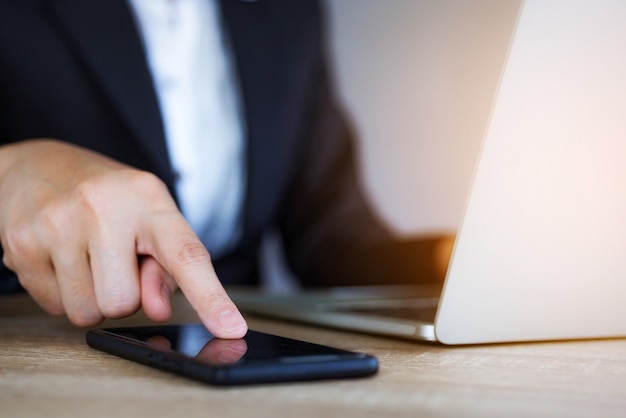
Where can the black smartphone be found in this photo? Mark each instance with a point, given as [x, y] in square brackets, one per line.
[190, 350]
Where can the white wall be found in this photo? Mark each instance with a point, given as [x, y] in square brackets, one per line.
[418, 77]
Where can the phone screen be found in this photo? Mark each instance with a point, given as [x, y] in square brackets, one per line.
[190, 350]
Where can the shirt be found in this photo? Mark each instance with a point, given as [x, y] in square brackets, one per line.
[191, 65]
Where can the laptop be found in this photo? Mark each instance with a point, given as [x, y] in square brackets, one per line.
[541, 249]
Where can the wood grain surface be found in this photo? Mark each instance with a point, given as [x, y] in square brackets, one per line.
[47, 370]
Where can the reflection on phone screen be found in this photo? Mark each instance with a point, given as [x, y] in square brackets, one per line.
[195, 341]
[215, 351]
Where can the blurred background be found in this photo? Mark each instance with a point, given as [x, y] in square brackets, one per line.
[417, 78]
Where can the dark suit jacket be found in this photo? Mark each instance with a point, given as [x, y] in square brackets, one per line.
[75, 70]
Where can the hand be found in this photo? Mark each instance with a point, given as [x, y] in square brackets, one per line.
[92, 238]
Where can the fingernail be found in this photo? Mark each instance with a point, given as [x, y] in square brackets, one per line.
[232, 321]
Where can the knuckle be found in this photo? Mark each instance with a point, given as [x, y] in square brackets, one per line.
[18, 243]
[98, 191]
[119, 307]
[85, 319]
[8, 263]
[146, 183]
[215, 302]
[85, 194]
[52, 305]
[52, 222]
[87, 201]
[191, 252]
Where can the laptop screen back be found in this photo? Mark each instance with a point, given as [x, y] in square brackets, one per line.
[541, 253]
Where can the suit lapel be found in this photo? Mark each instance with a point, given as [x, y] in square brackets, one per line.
[117, 63]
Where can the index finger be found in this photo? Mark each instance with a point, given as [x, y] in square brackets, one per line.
[179, 251]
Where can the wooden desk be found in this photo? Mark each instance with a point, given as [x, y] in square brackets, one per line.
[46, 370]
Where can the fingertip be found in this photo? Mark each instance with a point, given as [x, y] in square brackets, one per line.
[188, 262]
[227, 323]
[232, 324]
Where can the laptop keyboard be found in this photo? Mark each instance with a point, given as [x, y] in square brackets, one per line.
[419, 309]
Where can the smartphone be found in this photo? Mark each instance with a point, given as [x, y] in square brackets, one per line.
[190, 350]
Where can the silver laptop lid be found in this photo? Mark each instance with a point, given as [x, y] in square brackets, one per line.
[541, 253]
